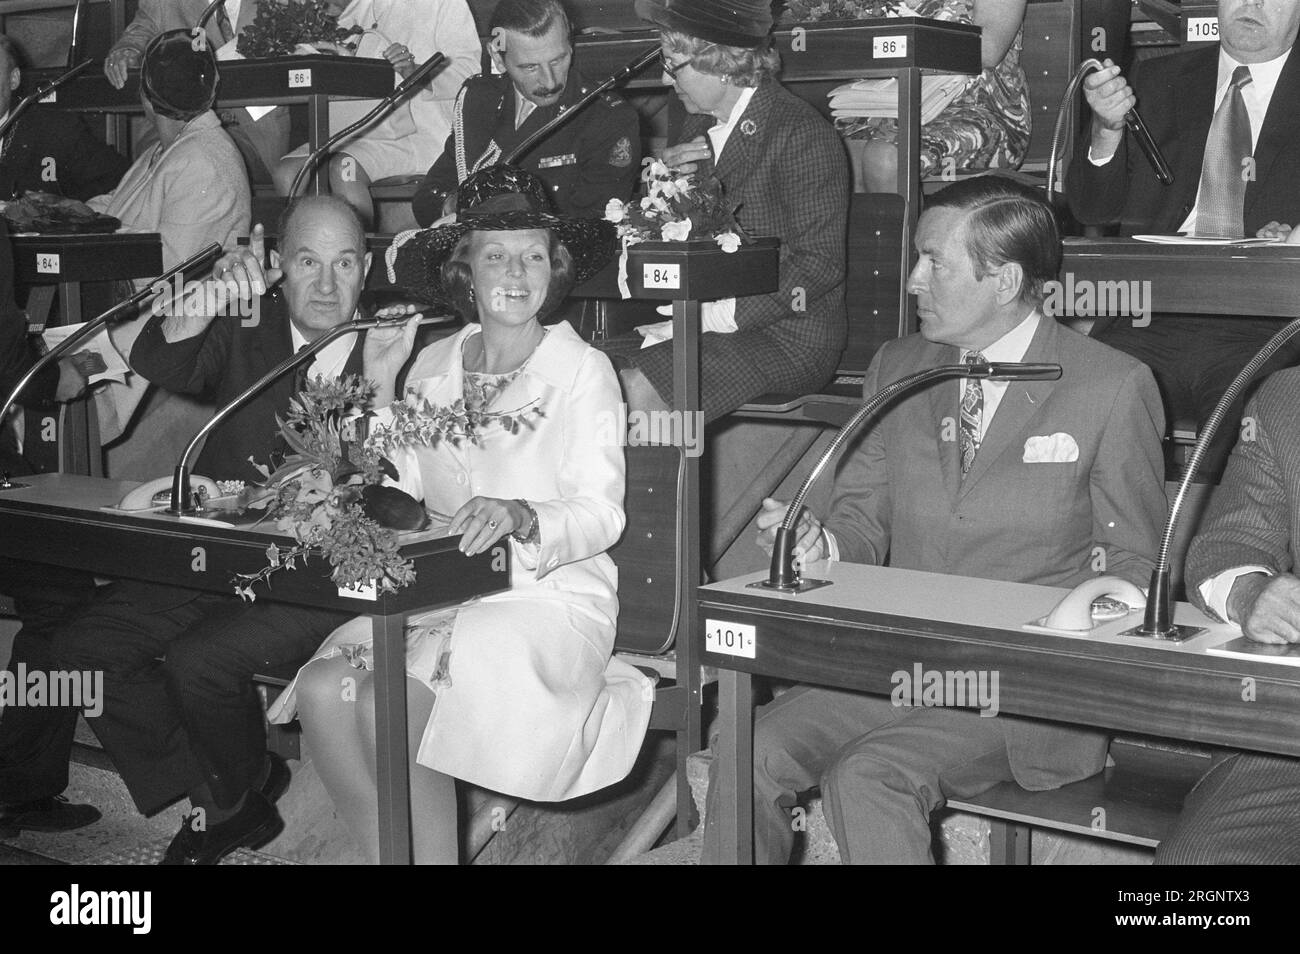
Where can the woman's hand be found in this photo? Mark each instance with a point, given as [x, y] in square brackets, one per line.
[387, 349]
[685, 156]
[1277, 231]
[402, 59]
[485, 520]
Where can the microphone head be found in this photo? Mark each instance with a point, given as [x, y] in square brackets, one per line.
[1014, 371]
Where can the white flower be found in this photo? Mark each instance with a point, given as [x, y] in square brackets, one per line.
[647, 203]
[683, 184]
[657, 169]
[677, 231]
[727, 241]
[615, 211]
[661, 205]
[667, 189]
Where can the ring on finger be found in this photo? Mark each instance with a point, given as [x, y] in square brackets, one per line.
[492, 524]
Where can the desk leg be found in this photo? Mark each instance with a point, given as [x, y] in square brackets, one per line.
[686, 392]
[392, 772]
[318, 130]
[736, 765]
[81, 450]
[909, 181]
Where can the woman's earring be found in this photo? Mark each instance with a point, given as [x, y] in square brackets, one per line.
[471, 293]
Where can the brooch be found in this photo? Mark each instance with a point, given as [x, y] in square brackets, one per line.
[748, 128]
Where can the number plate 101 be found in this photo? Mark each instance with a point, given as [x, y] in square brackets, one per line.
[729, 639]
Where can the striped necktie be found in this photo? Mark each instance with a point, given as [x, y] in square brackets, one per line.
[972, 414]
[1224, 170]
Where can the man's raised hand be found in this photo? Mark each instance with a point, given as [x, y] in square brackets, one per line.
[246, 268]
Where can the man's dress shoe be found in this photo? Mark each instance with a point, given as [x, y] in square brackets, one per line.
[55, 813]
[251, 827]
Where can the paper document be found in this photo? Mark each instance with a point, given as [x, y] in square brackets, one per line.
[1245, 648]
[115, 368]
[1205, 240]
[879, 97]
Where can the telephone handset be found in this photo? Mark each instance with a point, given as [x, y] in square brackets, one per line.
[142, 497]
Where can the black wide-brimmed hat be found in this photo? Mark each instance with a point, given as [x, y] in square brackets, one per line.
[179, 81]
[743, 23]
[496, 199]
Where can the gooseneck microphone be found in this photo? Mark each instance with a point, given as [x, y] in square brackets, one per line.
[1158, 622]
[182, 501]
[783, 575]
[40, 93]
[201, 261]
[1132, 121]
[206, 15]
[383, 107]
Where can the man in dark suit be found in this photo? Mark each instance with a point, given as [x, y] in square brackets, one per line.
[50, 150]
[44, 597]
[1187, 100]
[1047, 482]
[191, 724]
[592, 158]
[1241, 568]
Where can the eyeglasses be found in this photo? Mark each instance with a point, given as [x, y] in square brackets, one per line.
[670, 67]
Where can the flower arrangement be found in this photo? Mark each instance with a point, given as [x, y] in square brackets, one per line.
[328, 492]
[677, 208]
[279, 28]
[812, 11]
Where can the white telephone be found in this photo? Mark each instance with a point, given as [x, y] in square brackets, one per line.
[142, 498]
[1075, 610]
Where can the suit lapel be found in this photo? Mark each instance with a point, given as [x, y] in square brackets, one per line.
[1280, 131]
[1195, 107]
[1022, 401]
[743, 149]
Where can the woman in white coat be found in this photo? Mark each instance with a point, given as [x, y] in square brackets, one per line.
[516, 692]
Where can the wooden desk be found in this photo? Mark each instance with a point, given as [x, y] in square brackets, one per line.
[276, 81]
[875, 622]
[901, 48]
[57, 519]
[1195, 279]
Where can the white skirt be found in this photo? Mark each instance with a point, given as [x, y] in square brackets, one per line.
[527, 703]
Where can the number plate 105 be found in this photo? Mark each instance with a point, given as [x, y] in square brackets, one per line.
[729, 639]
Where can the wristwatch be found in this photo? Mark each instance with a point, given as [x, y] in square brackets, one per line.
[534, 530]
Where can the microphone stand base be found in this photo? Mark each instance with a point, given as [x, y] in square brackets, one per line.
[799, 586]
[1176, 634]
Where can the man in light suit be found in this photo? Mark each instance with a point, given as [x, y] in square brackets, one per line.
[1047, 482]
[1242, 568]
[1195, 357]
[263, 139]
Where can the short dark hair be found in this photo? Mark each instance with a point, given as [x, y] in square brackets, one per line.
[11, 52]
[530, 17]
[1007, 222]
[458, 278]
[307, 202]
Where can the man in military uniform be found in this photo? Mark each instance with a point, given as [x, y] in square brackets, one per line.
[587, 161]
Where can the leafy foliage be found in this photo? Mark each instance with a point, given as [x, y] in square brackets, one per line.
[281, 25]
[678, 207]
[811, 11]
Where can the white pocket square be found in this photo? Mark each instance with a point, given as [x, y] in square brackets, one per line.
[1058, 448]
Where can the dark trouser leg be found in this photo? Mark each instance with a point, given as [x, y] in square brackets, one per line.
[122, 634]
[1244, 811]
[796, 739]
[36, 742]
[880, 791]
[208, 675]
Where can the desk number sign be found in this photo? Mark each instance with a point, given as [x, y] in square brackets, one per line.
[300, 79]
[729, 639]
[889, 47]
[1202, 29]
[47, 263]
[661, 276]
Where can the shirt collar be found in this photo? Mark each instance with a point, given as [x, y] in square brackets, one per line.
[333, 355]
[1013, 345]
[1263, 76]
